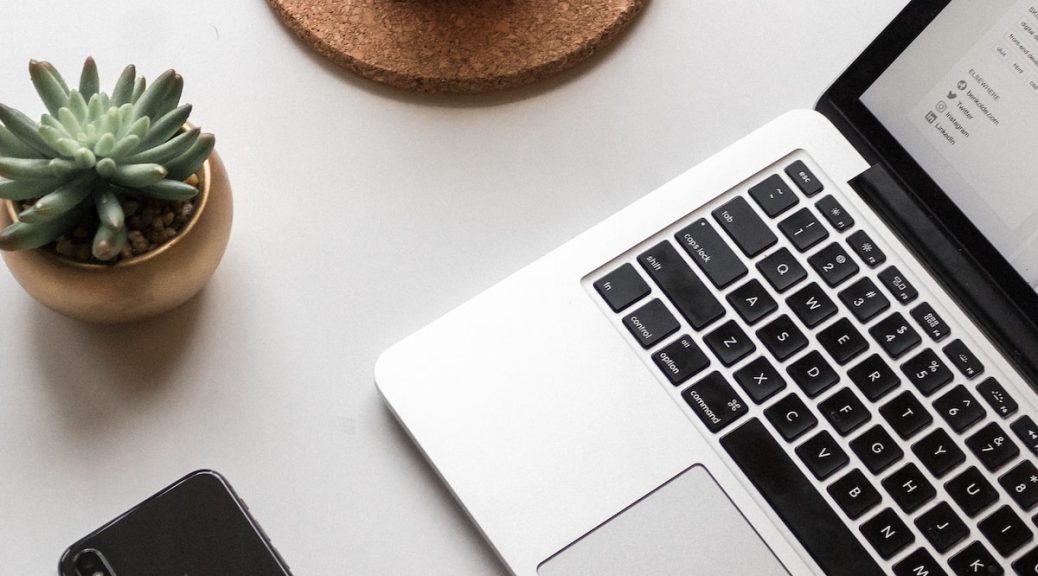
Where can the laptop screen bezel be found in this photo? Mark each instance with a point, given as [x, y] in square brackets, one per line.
[842, 103]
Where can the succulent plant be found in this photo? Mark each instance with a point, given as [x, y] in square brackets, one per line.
[90, 150]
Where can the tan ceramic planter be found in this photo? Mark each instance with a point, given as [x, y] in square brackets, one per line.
[140, 287]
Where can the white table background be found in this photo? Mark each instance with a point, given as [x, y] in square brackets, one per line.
[362, 213]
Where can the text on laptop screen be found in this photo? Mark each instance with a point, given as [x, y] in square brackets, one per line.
[963, 100]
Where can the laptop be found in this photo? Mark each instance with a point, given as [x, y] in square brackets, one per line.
[814, 353]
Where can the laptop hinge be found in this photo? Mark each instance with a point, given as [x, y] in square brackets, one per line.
[977, 292]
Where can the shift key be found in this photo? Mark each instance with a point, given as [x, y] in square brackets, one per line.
[743, 224]
[693, 299]
[711, 253]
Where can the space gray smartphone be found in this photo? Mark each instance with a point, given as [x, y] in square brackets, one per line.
[197, 526]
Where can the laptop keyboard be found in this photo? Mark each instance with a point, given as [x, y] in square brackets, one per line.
[874, 429]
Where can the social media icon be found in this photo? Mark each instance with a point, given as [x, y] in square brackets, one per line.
[931, 117]
[961, 85]
[942, 106]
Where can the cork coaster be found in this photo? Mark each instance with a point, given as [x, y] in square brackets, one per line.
[464, 46]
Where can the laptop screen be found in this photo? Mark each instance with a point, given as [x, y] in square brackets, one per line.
[963, 101]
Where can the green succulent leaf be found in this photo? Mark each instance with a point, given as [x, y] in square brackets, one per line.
[126, 146]
[191, 161]
[170, 190]
[89, 83]
[140, 127]
[165, 127]
[138, 175]
[139, 85]
[49, 85]
[68, 121]
[123, 91]
[105, 144]
[109, 210]
[78, 105]
[28, 189]
[26, 168]
[25, 129]
[25, 236]
[149, 102]
[12, 146]
[95, 108]
[172, 97]
[168, 151]
[61, 200]
[108, 242]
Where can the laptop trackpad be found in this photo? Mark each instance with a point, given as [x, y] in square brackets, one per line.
[687, 526]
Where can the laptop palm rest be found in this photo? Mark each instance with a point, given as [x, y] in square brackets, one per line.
[687, 526]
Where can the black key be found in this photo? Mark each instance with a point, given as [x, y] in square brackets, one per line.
[813, 374]
[760, 380]
[741, 222]
[842, 341]
[752, 301]
[864, 300]
[811, 304]
[1005, 531]
[803, 229]
[833, 264]
[887, 533]
[874, 377]
[693, 299]
[791, 417]
[729, 343]
[895, 335]
[906, 415]
[807, 515]
[714, 401]
[996, 396]
[1027, 565]
[711, 253]
[975, 560]
[854, 494]
[964, 359]
[844, 411]
[909, 488]
[938, 452]
[822, 455]
[876, 449]
[782, 337]
[919, 563]
[971, 491]
[927, 372]
[942, 527]
[622, 287]
[781, 270]
[1021, 483]
[930, 322]
[866, 249]
[900, 288]
[959, 408]
[651, 323]
[835, 213]
[803, 178]
[992, 446]
[1026, 430]
[773, 196]
[681, 360]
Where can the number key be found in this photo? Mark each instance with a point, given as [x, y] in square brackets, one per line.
[927, 372]
[992, 446]
[895, 335]
[803, 229]
[959, 408]
[833, 264]
[1021, 483]
[864, 300]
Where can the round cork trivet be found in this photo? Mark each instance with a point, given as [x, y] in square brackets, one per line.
[465, 46]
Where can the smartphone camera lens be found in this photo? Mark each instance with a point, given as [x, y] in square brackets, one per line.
[92, 563]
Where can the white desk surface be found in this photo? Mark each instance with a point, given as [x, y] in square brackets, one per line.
[362, 213]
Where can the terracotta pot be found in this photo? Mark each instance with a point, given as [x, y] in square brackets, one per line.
[139, 287]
